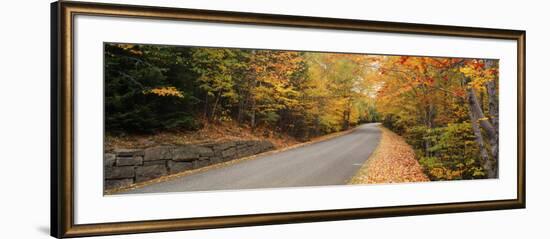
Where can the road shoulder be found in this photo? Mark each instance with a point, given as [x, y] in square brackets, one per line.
[393, 161]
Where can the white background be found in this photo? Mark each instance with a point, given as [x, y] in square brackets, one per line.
[25, 122]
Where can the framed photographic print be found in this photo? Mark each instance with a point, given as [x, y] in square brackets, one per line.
[174, 119]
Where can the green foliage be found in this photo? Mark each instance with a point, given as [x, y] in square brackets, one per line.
[394, 122]
[448, 152]
[131, 72]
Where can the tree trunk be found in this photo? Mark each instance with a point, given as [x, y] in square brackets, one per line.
[206, 107]
[243, 102]
[479, 120]
[479, 139]
[345, 123]
[317, 126]
[253, 114]
[346, 115]
[240, 112]
[493, 111]
[493, 103]
[429, 116]
[215, 106]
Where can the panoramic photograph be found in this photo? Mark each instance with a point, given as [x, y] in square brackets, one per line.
[187, 118]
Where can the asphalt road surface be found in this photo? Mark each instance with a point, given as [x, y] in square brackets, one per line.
[330, 162]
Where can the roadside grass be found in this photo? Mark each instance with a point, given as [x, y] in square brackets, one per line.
[393, 161]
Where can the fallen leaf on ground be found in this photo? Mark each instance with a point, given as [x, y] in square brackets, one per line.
[392, 162]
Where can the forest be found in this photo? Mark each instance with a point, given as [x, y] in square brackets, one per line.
[445, 108]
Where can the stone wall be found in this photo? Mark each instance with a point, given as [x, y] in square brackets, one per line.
[124, 167]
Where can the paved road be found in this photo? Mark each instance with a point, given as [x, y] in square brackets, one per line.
[330, 162]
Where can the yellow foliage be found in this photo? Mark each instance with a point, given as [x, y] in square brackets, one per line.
[477, 75]
[447, 174]
[131, 48]
[165, 91]
[126, 46]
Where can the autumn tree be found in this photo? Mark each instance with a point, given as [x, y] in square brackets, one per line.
[217, 69]
[430, 100]
[480, 77]
[446, 108]
[272, 90]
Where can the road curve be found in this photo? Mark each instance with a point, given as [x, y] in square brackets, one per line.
[330, 162]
